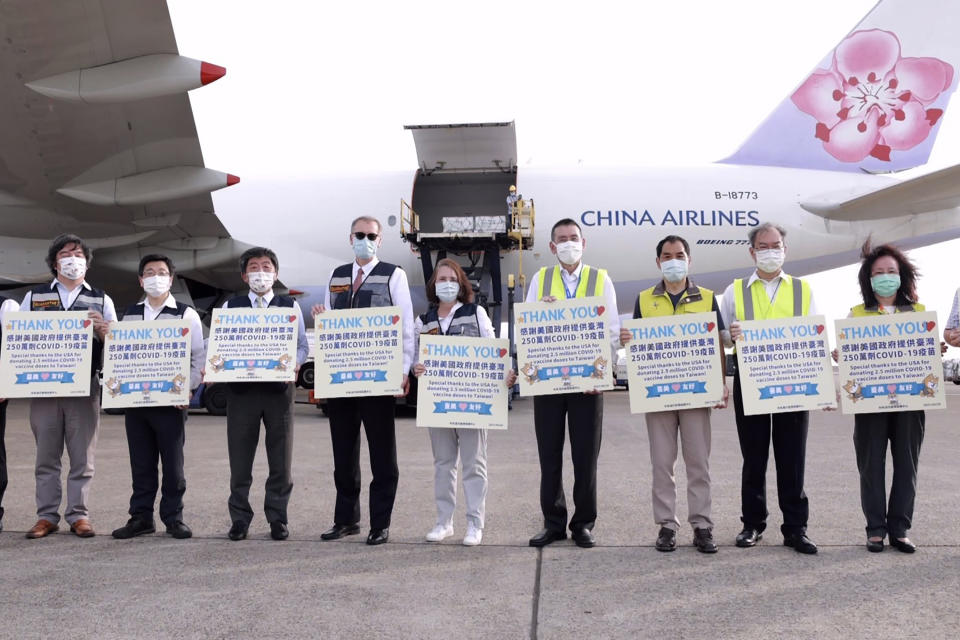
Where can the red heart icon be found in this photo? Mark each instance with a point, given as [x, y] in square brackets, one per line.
[931, 325]
[565, 370]
[184, 331]
[600, 310]
[820, 329]
[250, 363]
[788, 388]
[86, 323]
[44, 376]
[463, 406]
[711, 326]
[892, 388]
[395, 319]
[146, 386]
[503, 352]
[675, 386]
[358, 375]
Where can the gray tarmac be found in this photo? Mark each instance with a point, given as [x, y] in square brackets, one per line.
[210, 587]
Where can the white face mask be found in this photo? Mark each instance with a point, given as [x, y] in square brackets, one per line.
[447, 291]
[260, 281]
[674, 270]
[769, 260]
[156, 286]
[365, 248]
[73, 268]
[570, 252]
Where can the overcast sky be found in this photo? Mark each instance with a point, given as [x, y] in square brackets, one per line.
[316, 87]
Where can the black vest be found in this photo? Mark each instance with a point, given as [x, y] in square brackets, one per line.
[47, 298]
[239, 302]
[374, 292]
[464, 322]
[135, 312]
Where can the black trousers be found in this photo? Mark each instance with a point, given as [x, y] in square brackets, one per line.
[156, 433]
[3, 454]
[247, 404]
[789, 434]
[376, 414]
[871, 431]
[551, 416]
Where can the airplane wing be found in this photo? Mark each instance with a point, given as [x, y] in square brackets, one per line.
[98, 138]
[931, 192]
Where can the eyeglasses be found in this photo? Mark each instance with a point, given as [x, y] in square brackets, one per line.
[360, 235]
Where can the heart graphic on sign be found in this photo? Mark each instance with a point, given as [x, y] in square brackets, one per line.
[86, 323]
[600, 310]
[931, 325]
[892, 388]
[250, 363]
[503, 352]
[358, 375]
[820, 329]
[675, 386]
[146, 386]
[788, 388]
[565, 370]
[184, 331]
[395, 319]
[44, 376]
[291, 318]
[463, 406]
[711, 326]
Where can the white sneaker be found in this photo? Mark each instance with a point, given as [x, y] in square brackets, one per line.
[473, 537]
[440, 532]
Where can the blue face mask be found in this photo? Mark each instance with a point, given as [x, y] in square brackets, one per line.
[674, 270]
[885, 284]
[365, 248]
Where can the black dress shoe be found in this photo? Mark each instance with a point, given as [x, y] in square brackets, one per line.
[666, 539]
[583, 537]
[703, 541]
[238, 531]
[134, 527]
[338, 531]
[902, 545]
[278, 530]
[748, 537]
[179, 530]
[378, 536]
[800, 543]
[546, 536]
[874, 546]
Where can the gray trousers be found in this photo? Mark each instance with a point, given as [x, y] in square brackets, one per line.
[247, 404]
[74, 422]
[693, 427]
[871, 431]
[470, 446]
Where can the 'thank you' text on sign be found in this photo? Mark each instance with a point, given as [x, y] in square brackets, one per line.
[784, 365]
[563, 346]
[890, 363]
[674, 362]
[464, 385]
[146, 364]
[358, 352]
[46, 354]
[252, 345]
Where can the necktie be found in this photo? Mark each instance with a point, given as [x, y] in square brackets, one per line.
[260, 304]
[358, 281]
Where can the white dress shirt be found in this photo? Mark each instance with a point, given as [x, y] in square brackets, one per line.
[198, 350]
[8, 305]
[303, 347]
[486, 327]
[953, 320]
[571, 281]
[728, 306]
[400, 294]
[68, 297]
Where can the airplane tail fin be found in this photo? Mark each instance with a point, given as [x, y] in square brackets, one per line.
[876, 100]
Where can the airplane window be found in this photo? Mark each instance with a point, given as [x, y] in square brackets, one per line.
[392, 221]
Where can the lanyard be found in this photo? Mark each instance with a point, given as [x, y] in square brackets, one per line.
[575, 287]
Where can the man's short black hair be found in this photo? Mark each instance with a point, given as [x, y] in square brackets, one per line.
[563, 223]
[258, 252]
[686, 245]
[59, 243]
[156, 257]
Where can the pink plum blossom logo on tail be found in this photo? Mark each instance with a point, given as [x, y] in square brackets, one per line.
[872, 101]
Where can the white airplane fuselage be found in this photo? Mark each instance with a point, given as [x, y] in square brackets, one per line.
[624, 213]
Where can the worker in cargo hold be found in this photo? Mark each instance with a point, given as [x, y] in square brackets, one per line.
[73, 422]
[513, 197]
[677, 294]
[366, 282]
[581, 412]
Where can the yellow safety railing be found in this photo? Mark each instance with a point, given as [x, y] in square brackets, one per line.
[409, 220]
[522, 218]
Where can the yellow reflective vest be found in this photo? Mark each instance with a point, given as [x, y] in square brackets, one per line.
[590, 279]
[655, 301]
[861, 310]
[792, 299]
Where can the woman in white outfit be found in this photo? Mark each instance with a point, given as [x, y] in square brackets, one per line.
[455, 314]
